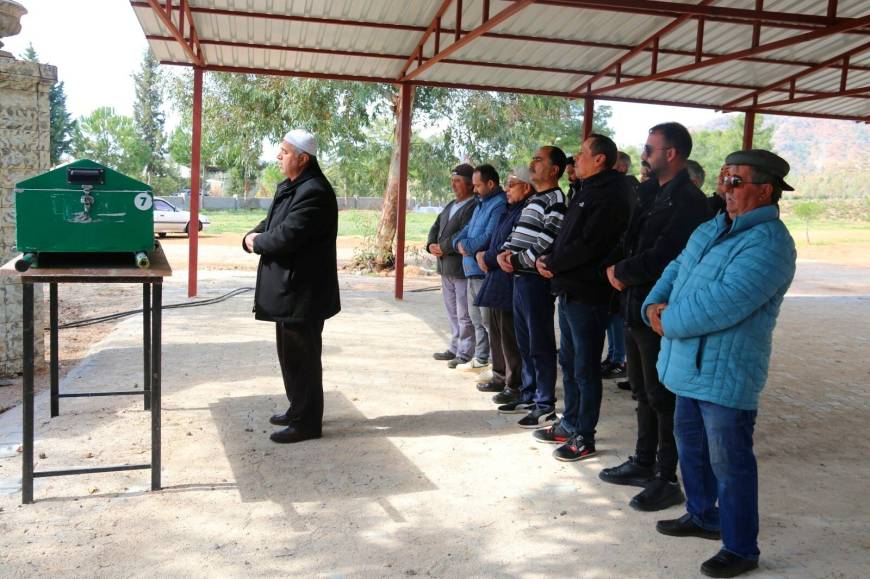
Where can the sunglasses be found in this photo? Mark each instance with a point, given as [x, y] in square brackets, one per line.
[648, 149]
[735, 182]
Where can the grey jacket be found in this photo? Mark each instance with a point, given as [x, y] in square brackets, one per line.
[444, 232]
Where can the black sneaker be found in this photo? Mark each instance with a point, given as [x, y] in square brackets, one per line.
[606, 363]
[554, 434]
[444, 356]
[727, 564]
[516, 407]
[628, 473]
[685, 527]
[615, 371]
[456, 362]
[537, 418]
[490, 387]
[507, 396]
[659, 494]
[575, 449]
[624, 385]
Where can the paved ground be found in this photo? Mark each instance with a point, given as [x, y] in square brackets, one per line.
[416, 473]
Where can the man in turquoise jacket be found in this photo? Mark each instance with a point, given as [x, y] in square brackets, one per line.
[715, 307]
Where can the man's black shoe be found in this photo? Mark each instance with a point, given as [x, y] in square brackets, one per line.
[280, 419]
[624, 385]
[628, 473]
[490, 387]
[685, 527]
[452, 364]
[507, 396]
[444, 356]
[727, 564]
[615, 371]
[659, 494]
[292, 434]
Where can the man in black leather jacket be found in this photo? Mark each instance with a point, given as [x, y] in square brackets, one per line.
[669, 207]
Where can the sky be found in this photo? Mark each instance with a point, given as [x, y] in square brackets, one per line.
[97, 45]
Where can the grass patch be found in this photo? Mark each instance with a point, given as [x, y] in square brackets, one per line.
[355, 222]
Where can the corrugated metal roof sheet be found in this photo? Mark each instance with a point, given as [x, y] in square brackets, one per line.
[545, 47]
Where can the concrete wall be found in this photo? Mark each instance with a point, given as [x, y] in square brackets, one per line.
[24, 152]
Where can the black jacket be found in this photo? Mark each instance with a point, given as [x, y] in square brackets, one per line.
[596, 219]
[297, 279]
[659, 227]
[444, 231]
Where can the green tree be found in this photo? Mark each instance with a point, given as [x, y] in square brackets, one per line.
[110, 139]
[148, 116]
[808, 211]
[711, 146]
[60, 122]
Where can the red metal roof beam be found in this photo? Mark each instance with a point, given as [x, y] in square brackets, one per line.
[634, 52]
[469, 37]
[166, 19]
[791, 80]
[799, 39]
[435, 27]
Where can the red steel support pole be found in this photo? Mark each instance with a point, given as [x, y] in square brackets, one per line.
[407, 91]
[193, 226]
[588, 110]
[748, 129]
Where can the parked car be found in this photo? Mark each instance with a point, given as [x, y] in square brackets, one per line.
[169, 219]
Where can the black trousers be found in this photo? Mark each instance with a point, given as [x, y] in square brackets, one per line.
[507, 366]
[299, 350]
[655, 403]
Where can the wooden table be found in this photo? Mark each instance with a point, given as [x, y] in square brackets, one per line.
[93, 268]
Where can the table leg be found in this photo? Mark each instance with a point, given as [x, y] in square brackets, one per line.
[27, 434]
[146, 341]
[54, 355]
[156, 321]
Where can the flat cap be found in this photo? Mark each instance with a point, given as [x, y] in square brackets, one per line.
[463, 170]
[764, 160]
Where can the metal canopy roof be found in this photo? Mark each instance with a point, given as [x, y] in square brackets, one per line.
[794, 57]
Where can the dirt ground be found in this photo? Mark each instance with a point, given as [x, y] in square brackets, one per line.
[416, 473]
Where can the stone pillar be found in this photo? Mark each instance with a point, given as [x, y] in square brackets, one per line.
[24, 152]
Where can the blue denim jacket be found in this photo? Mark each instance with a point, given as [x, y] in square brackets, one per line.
[476, 233]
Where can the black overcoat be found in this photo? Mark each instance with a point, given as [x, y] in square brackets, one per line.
[297, 279]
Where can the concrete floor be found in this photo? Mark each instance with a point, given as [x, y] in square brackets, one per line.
[416, 473]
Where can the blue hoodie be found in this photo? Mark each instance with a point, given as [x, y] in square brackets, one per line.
[476, 233]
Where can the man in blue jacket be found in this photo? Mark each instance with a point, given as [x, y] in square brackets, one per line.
[474, 237]
[715, 307]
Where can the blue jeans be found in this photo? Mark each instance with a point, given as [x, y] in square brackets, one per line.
[536, 339]
[616, 339]
[717, 462]
[582, 328]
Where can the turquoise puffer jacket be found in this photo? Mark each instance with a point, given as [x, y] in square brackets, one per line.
[723, 293]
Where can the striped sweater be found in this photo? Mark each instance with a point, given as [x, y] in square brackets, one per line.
[536, 229]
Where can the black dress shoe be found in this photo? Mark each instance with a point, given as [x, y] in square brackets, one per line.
[507, 396]
[628, 473]
[444, 356]
[280, 419]
[292, 434]
[727, 564]
[685, 527]
[659, 494]
[490, 387]
[624, 385]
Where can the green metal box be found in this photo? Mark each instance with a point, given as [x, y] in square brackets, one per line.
[84, 207]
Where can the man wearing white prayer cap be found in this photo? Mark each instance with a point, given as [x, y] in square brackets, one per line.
[297, 280]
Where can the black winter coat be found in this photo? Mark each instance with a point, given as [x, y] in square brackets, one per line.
[596, 219]
[444, 231]
[297, 279]
[659, 227]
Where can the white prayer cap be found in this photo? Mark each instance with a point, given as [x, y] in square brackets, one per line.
[302, 140]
